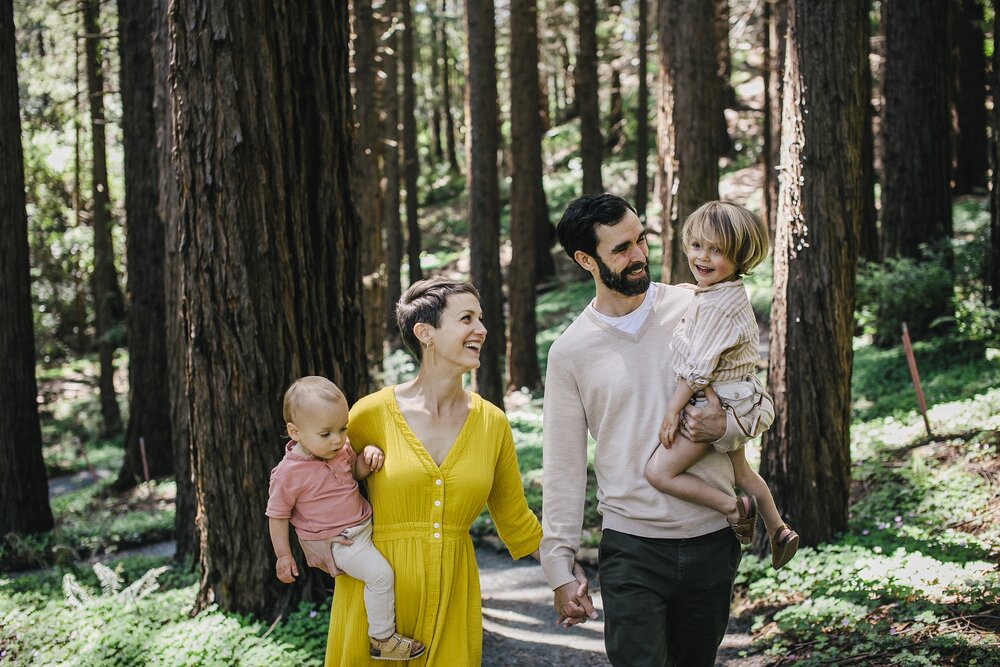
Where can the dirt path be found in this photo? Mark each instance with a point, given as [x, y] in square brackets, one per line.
[519, 622]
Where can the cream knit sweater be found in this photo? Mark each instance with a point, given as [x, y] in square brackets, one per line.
[616, 386]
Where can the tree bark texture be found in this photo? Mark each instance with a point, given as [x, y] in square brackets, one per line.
[482, 144]
[148, 434]
[916, 198]
[970, 160]
[587, 99]
[24, 490]
[687, 134]
[269, 258]
[366, 178]
[176, 340]
[776, 15]
[449, 118]
[806, 453]
[526, 193]
[411, 161]
[724, 69]
[993, 260]
[642, 113]
[868, 231]
[104, 281]
[392, 223]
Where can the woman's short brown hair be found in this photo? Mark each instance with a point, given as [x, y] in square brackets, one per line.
[424, 302]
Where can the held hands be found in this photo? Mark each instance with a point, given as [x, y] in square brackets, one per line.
[374, 458]
[286, 569]
[573, 602]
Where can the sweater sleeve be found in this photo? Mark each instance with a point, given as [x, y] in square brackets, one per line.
[516, 525]
[564, 471]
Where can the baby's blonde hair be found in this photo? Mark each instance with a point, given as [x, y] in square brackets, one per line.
[737, 232]
[309, 388]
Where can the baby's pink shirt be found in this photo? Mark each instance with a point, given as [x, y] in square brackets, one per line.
[320, 498]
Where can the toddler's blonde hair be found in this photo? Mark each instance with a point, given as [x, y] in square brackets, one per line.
[309, 388]
[737, 232]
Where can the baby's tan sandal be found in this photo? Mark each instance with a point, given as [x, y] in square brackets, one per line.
[396, 647]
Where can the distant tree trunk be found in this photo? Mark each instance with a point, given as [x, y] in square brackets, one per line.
[776, 18]
[525, 193]
[970, 159]
[868, 232]
[806, 452]
[616, 111]
[437, 138]
[24, 490]
[449, 119]
[366, 178]
[993, 260]
[587, 99]
[727, 96]
[391, 222]
[687, 133]
[916, 199]
[642, 113]
[148, 435]
[916, 194]
[411, 161]
[107, 293]
[277, 268]
[484, 198]
[176, 340]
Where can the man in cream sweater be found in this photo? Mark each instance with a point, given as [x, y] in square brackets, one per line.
[666, 566]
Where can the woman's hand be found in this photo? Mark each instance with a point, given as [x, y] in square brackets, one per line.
[319, 553]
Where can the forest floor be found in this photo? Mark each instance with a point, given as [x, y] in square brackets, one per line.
[519, 628]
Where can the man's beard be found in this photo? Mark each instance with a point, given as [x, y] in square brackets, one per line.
[622, 284]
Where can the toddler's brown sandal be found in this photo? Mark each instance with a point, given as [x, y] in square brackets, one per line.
[396, 647]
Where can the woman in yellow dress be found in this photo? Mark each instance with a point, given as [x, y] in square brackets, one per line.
[447, 453]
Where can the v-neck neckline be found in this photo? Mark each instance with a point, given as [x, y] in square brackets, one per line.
[414, 441]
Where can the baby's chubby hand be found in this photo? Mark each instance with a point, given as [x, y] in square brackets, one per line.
[373, 456]
[286, 569]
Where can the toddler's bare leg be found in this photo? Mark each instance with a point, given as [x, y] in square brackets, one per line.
[753, 484]
[666, 471]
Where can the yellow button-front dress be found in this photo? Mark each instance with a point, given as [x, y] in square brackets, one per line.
[422, 515]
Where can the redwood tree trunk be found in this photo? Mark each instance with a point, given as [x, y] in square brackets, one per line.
[993, 260]
[270, 257]
[916, 194]
[526, 155]
[176, 341]
[806, 453]
[148, 442]
[687, 133]
[366, 177]
[391, 221]
[642, 113]
[971, 161]
[24, 491]
[107, 294]
[916, 199]
[411, 162]
[484, 198]
[776, 14]
[586, 98]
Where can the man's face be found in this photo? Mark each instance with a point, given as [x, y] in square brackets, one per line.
[626, 270]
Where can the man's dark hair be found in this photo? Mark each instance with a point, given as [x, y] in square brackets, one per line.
[577, 230]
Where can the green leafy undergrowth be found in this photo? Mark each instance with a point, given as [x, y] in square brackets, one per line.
[950, 369]
[101, 619]
[92, 520]
[914, 580]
